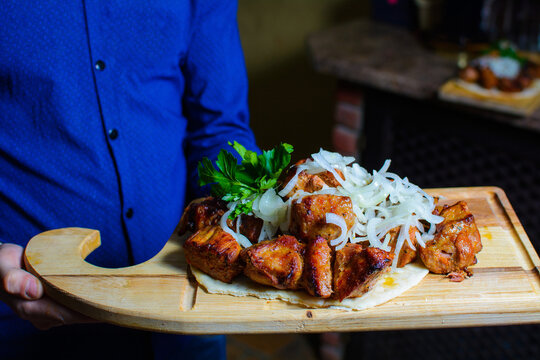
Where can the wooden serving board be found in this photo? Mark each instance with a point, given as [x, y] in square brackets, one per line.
[452, 92]
[159, 295]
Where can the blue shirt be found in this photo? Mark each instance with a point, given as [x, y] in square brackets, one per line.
[106, 107]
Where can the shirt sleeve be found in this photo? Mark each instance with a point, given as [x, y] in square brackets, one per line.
[215, 96]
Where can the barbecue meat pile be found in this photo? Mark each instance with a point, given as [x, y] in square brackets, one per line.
[306, 260]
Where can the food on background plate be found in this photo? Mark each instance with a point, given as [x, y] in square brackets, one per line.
[322, 233]
[501, 71]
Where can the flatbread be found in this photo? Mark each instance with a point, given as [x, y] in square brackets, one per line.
[390, 285]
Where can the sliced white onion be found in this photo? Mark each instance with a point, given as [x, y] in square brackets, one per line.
[327, 166]
[403, 233]
[371, 232]
[291, 184]
[341, 240]
[284, 226]
[238, 223]
[386, 242]
[241, 239]
[385, 166]
[419, 240]
[270, 207]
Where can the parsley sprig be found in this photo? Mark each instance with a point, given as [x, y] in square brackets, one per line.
[246, 181]
[505, 49]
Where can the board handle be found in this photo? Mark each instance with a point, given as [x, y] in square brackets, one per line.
[62, 252]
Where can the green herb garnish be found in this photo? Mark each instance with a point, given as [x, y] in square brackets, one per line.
[246, 181]
[505, 49]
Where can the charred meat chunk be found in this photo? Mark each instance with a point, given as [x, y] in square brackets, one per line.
[214, 252]
[531, 69]
[278, 262]
[309, 182]
[524, 81]
[488, 78]
[318, 268]
[308, 216]
[456, 242]
[510, 85]
[356, 269]
[201, 213]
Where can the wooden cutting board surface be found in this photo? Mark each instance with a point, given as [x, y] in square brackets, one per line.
[159, 295]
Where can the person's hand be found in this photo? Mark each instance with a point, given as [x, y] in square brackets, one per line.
[23, 292]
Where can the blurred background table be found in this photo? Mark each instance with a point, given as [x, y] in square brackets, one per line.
[387, 107]
[366, 55]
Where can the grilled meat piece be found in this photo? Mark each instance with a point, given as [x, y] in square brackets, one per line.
[509, 85]
[469, 74]
[214, 252]
[488, 78]
[456, 242]
[208, 211]
[201, 213]
[318, 268]
[278, 262]
[524, 81]
[407, 254]
[356, 269]
[309, 182]
[532, 70]
[308, 217]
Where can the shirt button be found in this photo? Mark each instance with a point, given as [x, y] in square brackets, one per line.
[113, 134]
[129, 213]
[99, 65]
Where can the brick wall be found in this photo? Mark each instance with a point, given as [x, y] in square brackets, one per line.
[348, 121]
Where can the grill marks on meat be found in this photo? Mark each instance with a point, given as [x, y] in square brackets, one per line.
[310, 182]
[308, 217]
[456, 243]
[318, 268]
[208, 211]
[215, 252]
[278, 263]
[356, 269]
